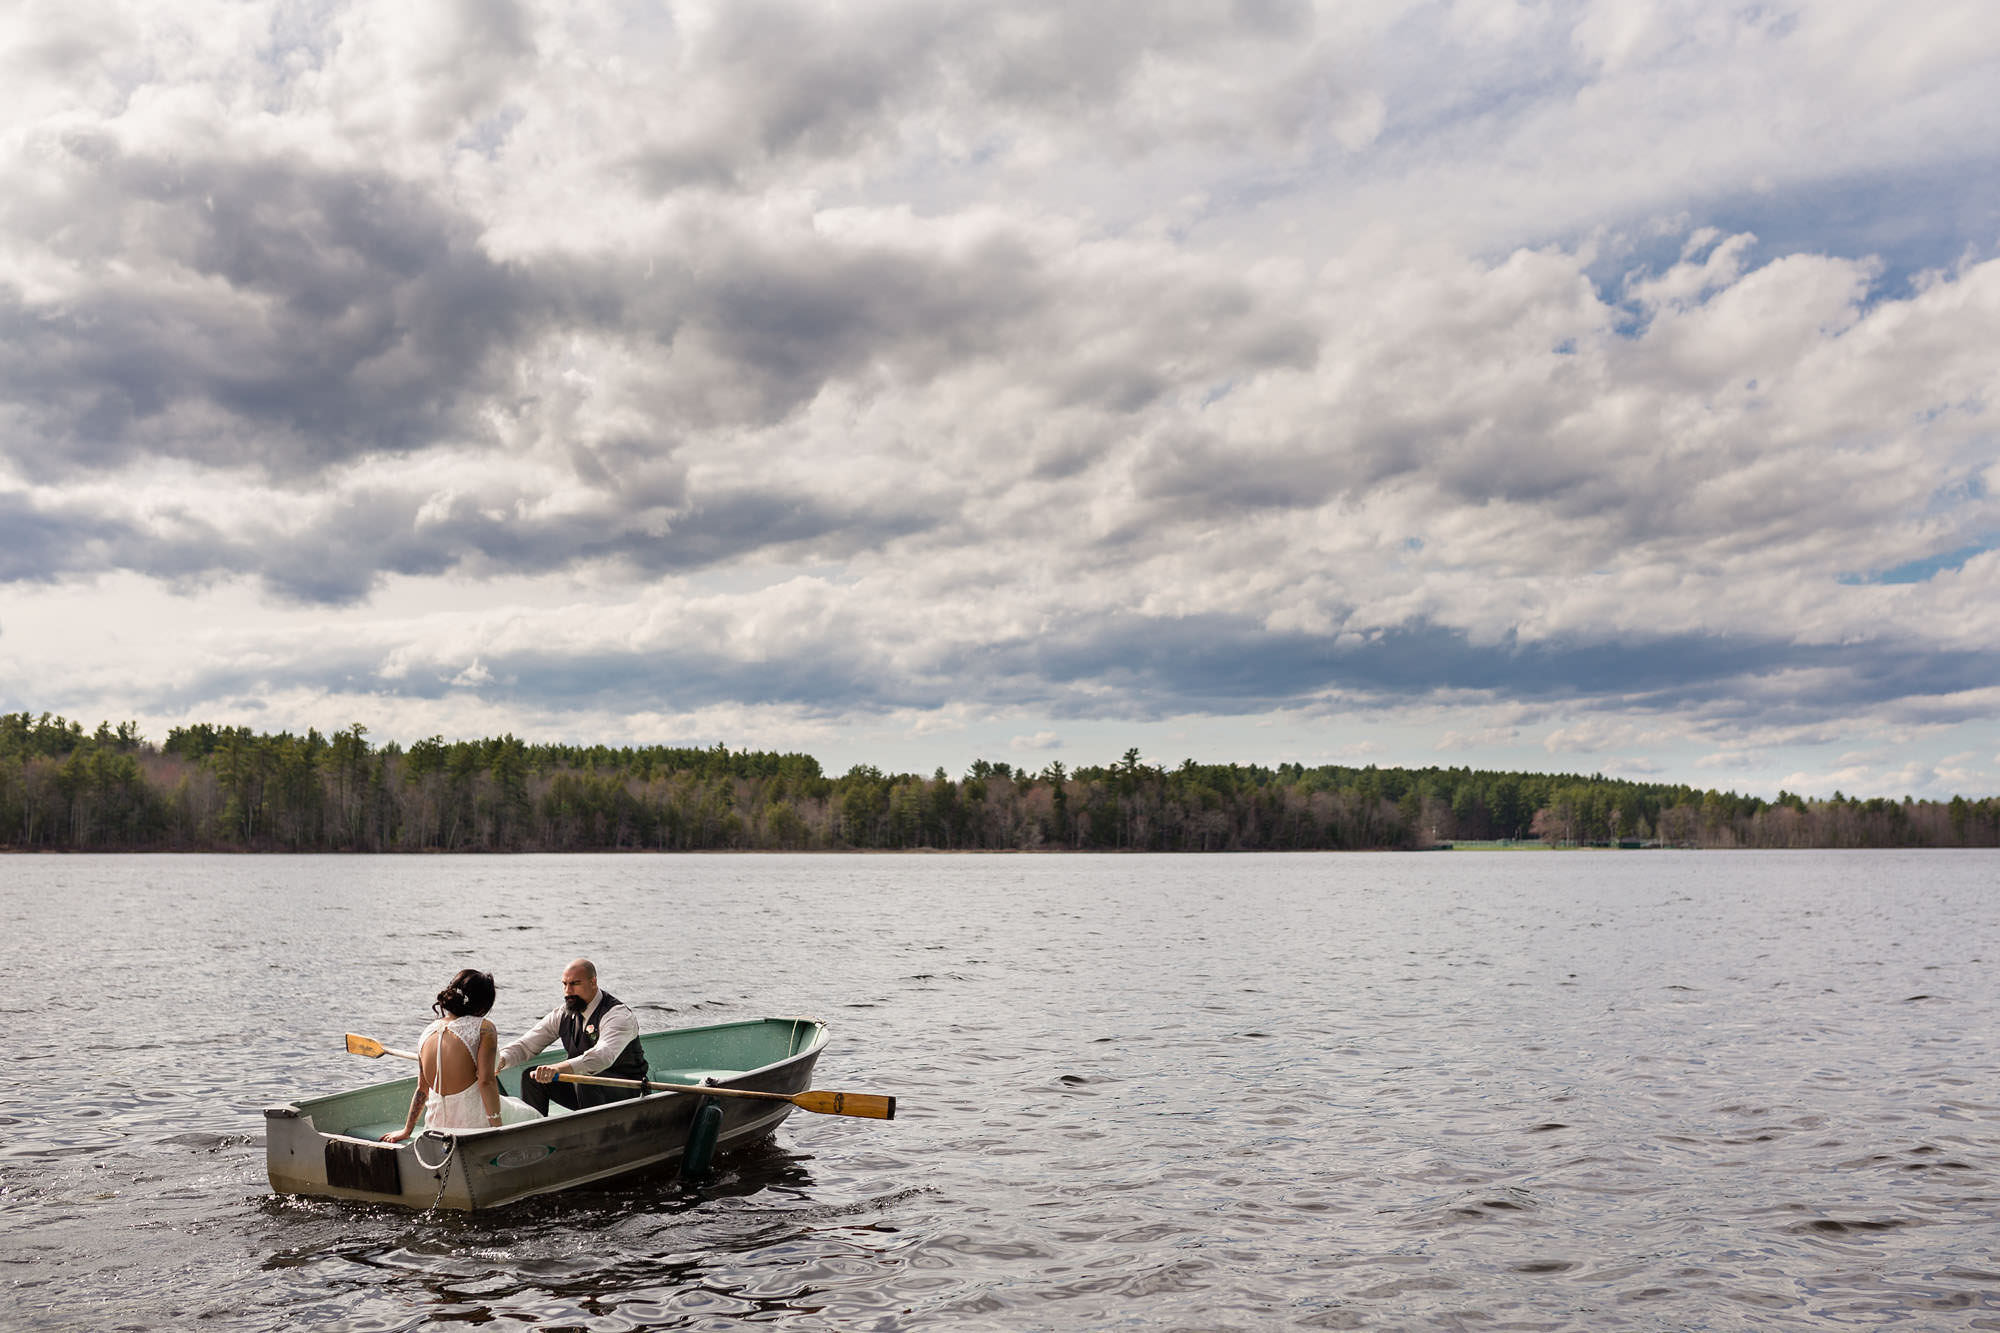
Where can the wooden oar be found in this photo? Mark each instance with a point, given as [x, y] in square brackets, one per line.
[868, 1105]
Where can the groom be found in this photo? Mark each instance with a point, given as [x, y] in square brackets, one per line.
[599, 1034]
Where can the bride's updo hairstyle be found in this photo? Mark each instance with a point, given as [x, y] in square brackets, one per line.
[470, 992]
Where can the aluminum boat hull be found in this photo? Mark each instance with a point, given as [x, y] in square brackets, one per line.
[330, 1146]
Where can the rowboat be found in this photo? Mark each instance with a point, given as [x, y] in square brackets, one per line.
[331, 1146]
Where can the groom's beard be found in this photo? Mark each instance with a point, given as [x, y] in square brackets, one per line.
[573, 1003]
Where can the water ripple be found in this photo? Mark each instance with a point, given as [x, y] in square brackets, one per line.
[1566, 1092]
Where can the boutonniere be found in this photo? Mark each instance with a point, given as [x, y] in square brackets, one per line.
[591, 1028]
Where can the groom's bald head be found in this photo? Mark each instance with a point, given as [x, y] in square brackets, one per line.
[580, 984]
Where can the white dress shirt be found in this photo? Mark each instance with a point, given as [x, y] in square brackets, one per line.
[616, 1027]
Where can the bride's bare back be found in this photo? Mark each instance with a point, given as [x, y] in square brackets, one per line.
[449, 1066]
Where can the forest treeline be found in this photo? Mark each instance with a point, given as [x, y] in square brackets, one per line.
[229, 788]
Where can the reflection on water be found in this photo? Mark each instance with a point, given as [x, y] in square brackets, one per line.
[1559, 1091]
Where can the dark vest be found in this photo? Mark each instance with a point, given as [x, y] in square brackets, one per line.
[576, 1039]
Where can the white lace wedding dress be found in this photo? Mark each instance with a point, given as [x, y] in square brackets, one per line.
[465, 1109]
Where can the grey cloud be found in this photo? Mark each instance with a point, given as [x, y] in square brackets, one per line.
[832, 680]
[829, 680]
[726, 526]
[1156, 668]
[288, 317]
[341, 557]
[337, 316]
[783, 83]
[1231, 664]
[49, 542]
[341, 316]
[789, 319]
[1076, 63]
[39, 545]
[489, 48]
[1200, 475]
[1118, 387]
[791, 80]
[1176, 334]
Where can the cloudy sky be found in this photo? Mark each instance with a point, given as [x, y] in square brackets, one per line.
[1598, 385]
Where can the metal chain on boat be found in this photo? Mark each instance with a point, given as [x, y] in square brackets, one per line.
[442, 1168]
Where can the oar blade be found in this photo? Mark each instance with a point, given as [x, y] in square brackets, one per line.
[368, 1046]
[867, 1105]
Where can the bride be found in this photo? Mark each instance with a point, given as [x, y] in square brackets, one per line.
[457, 1086]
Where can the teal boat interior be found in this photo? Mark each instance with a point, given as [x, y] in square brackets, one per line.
[725, 1052]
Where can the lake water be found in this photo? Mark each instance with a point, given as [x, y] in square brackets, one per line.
[1528, 1090]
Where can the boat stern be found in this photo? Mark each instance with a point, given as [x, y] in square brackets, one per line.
[300, 1158]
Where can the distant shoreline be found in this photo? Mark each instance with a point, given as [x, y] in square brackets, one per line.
[230, 789]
